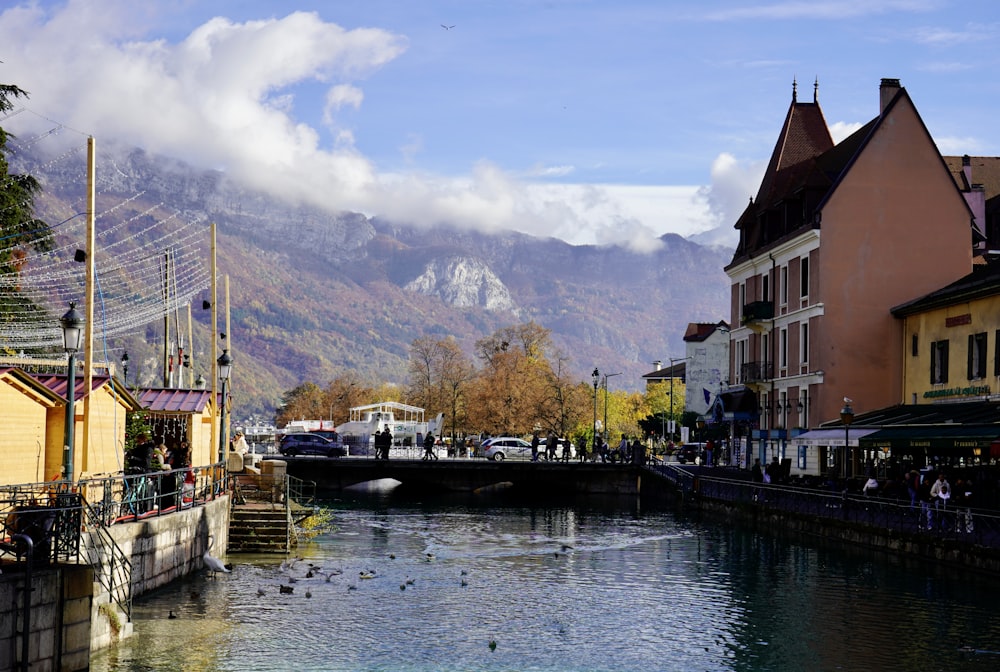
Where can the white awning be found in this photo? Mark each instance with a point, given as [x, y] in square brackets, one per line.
[832, 437]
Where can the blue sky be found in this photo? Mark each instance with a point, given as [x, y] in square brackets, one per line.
[607, 122]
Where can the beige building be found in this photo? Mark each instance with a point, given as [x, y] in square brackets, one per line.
[951, 341]
[27, 406]
[99, 437]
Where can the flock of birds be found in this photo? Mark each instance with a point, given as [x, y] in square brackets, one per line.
[291, 571]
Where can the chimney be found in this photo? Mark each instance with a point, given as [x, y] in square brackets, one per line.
[967, 169]
[886, 92]
[658, 364]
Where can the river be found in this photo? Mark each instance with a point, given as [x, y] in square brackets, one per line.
[396, 584]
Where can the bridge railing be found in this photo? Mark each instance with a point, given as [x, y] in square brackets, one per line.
[941, 520]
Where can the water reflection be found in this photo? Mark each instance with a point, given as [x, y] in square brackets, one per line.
[571, 587]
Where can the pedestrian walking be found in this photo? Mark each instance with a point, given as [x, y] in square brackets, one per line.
[534, 446]
[429, 453]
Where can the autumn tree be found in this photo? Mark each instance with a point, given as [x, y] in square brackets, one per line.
[20, 231]
[565, 402]
[439, 374]
[343, 393]
[304, 402]
[512, 384]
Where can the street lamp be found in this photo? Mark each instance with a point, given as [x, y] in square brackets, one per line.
[847, 417]
[597, 377]
[125, 368]
[225, 366]
[72, 327]
[606, 376]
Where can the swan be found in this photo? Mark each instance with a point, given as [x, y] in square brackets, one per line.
[213, 563]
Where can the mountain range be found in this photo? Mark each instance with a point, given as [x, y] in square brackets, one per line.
[316, 295]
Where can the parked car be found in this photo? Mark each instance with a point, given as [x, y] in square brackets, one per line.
[310, 443]
[501, 448]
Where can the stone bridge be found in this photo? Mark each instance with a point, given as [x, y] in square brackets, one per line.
[462, 475]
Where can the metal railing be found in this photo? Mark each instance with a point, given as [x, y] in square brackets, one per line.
[54, 516]
[944, 521]
[273, 489]
[112, 567]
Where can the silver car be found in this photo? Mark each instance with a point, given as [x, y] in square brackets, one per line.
[504, 447]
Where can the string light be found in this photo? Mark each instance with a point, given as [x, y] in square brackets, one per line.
[128, 272]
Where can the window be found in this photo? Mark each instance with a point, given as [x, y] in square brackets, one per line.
[783, 353]
[939, 362]
[741, 359]
[977, 356]
[743, 299]
[804, 277]
[784, 285]
[914, 346]
[765, 287]
[804, 343]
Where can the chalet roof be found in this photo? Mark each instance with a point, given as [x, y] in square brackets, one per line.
[58, 384]
[678, 372]
[174, 400]
[982, 282]
[31, 382]
[699, 331]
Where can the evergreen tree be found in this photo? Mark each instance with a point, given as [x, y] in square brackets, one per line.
[20, 231]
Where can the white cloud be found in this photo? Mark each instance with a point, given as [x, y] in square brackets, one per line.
[225, 97]
[950, 146]
[840, 130]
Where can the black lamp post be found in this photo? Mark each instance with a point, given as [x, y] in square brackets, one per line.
[72, 327]
[847, 417]
[225, 365]
[125, 368]
[597, 377]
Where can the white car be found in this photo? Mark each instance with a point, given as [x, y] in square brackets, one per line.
[504, 447]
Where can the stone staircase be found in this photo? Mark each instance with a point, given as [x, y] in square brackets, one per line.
[260, 528]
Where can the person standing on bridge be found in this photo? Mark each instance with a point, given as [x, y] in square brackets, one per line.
[534, 446]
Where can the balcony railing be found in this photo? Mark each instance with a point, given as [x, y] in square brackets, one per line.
[757, 311]
[756, 372]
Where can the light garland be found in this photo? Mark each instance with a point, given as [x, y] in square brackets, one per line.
[128, 272]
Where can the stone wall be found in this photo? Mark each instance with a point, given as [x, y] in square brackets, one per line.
[60, 618]
[161, 549]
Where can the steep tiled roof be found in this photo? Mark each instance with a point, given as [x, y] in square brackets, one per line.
[803, 137]
[985, 171]
[174, 401]
[699, 331]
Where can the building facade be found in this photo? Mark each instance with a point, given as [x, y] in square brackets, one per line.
[707, 365]
[837, 235]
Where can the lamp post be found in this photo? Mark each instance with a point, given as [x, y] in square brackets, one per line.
[606, 376]
[225, 365]
[72, 327]
[847, 417]
[125, 368]
[597, 377]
